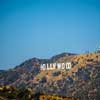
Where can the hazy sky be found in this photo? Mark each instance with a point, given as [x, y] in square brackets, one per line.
[42, 28]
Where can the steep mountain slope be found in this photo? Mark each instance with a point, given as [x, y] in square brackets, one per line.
[25, 72]
[82, 81]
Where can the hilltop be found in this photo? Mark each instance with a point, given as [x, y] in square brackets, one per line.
[81, 82]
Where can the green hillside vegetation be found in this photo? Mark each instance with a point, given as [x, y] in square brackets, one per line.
[10, 93]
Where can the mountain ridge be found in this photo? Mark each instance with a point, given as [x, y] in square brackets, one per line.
[70, 83]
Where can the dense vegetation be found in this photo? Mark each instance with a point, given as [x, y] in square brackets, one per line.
[27, 81]
[10, 93]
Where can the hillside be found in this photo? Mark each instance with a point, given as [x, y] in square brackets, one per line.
[26, 72]
[81, 82]
[10, 93]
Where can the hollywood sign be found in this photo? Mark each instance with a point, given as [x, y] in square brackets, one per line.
[52, 66]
